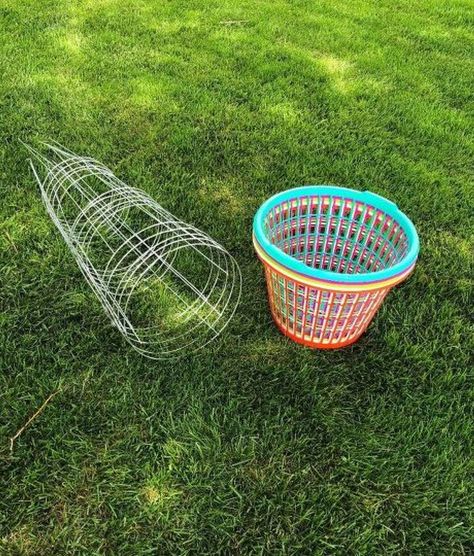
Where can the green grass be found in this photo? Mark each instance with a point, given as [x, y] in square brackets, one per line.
[256, 446]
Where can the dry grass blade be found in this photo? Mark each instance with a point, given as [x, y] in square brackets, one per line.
[20, 431]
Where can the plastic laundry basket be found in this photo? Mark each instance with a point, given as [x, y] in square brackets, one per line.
[331, 255]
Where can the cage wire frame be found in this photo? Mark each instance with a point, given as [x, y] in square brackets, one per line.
[167, 286]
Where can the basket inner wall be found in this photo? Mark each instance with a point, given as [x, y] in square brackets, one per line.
[337, 234]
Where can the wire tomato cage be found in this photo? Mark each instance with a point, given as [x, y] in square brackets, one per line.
[168, 287]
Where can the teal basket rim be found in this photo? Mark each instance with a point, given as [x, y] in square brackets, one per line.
[372, 199]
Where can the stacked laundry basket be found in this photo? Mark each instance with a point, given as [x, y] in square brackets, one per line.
[331, 255]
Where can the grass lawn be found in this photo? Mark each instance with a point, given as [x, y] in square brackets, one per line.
[256, 445]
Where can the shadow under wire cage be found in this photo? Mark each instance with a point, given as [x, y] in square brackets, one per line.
[167, 286]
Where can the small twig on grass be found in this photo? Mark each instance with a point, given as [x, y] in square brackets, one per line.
[32, 418]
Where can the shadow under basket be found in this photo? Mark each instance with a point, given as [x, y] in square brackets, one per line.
[331, 255]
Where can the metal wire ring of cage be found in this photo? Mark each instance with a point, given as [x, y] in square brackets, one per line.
[167, 286]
